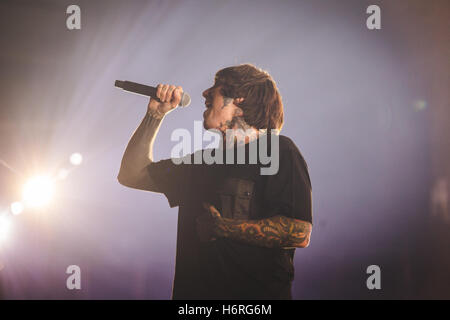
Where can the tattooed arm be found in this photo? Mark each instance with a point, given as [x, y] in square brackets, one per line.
[139, 152]
[277, 231]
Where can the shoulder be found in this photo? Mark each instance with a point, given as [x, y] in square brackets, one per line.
[286, 143]
[292, 158]
[288, 149]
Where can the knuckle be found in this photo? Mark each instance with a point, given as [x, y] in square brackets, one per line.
[158, 91]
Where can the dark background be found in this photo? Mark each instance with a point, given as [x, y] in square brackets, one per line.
[368, 109]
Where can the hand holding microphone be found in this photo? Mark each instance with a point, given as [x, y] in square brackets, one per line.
[164, 98]
[169, 97]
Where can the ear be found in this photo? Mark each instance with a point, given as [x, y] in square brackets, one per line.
[238, 101]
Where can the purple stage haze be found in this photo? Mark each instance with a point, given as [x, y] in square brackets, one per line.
[362, 106]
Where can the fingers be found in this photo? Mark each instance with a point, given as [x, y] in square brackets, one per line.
[177, 95]
[158, 90]
[169, 93]
[168, 97]
[214, 212]
[211, 209]
[162, 91]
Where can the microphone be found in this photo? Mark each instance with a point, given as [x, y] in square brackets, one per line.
[148, 91]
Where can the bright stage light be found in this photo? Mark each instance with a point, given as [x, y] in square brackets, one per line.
[16, 208]
[38, 191]
[76, 159]
[5, 225]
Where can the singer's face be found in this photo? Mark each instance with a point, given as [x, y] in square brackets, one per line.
[220, 110]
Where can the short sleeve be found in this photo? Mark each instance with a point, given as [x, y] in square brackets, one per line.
[171, 179]
[289, 192]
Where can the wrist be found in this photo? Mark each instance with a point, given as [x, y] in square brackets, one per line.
[218, 228]
[155, 114]
[222, 227]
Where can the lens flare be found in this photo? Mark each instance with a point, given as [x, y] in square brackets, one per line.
[5, 225]
[76, 159]
[38, 191]
[16, 208]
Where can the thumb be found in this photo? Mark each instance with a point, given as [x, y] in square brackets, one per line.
[214, 212]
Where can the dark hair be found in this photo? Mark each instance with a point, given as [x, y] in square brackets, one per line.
[262, 104]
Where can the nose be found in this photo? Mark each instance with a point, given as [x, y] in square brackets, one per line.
[205, 93]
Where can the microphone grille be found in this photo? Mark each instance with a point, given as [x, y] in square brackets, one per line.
[185, 100]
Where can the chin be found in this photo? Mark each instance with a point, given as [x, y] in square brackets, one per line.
[208, 124]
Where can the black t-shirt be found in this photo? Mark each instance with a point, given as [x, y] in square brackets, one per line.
[224, 268]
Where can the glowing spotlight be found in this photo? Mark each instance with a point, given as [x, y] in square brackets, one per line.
[38, 191]
[16, 208]
[5, 225]
[76, 159]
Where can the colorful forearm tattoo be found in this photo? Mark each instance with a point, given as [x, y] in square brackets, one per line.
[278, 231]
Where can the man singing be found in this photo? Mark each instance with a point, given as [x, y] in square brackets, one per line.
[237, 228]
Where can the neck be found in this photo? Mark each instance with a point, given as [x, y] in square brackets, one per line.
[239, 136]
